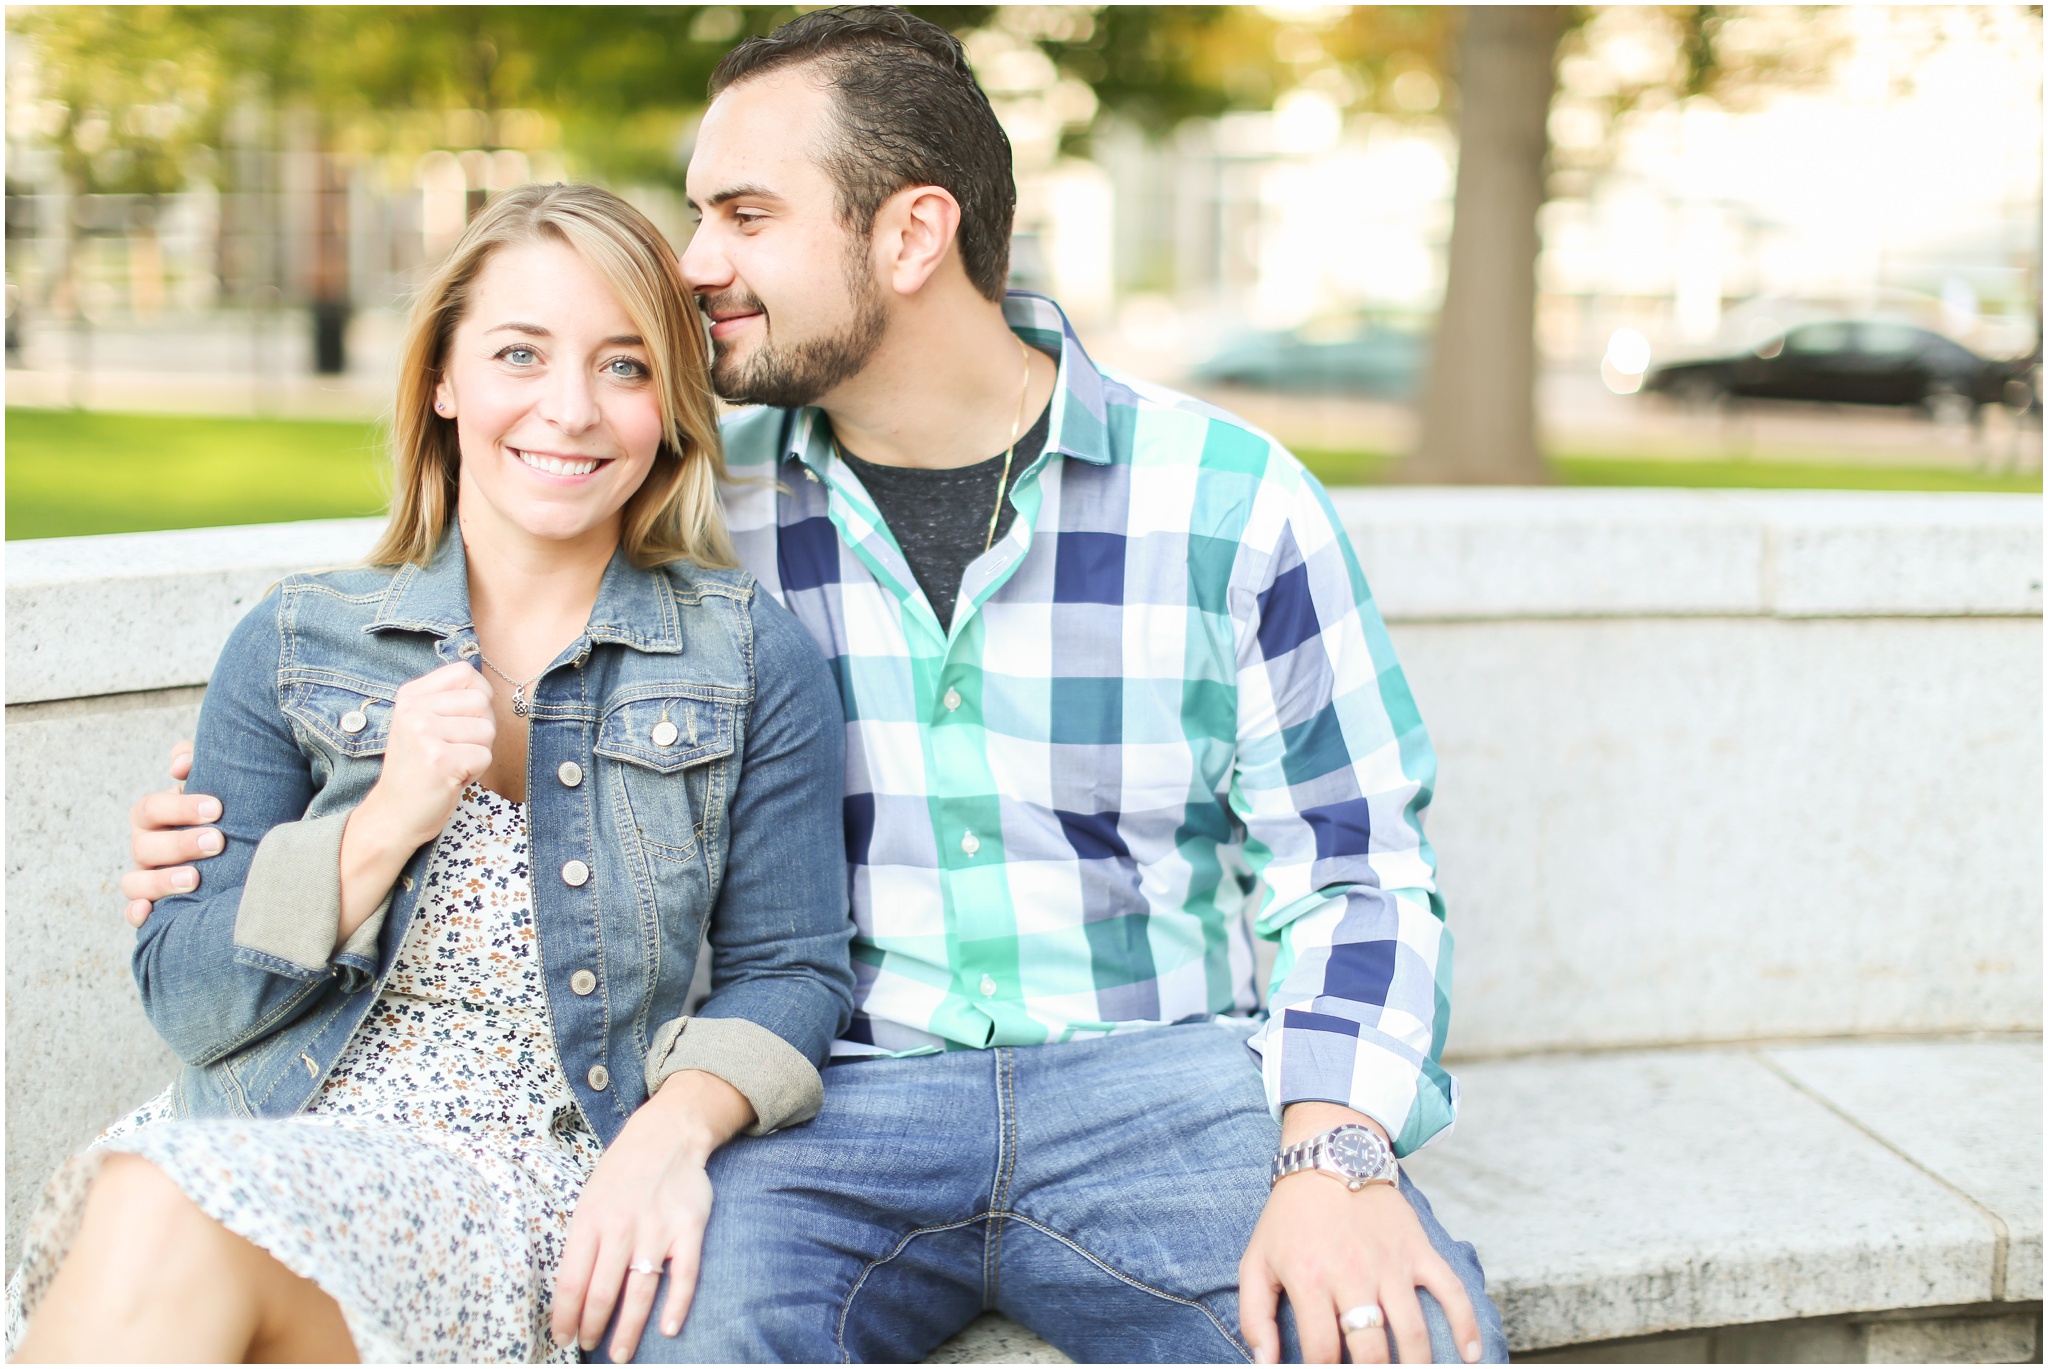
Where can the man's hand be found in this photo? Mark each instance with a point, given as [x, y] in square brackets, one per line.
[164, 831]
[1331, 1249]
[647, 1202]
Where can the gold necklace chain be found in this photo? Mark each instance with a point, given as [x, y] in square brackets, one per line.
[1016, 430]
[1016, 427]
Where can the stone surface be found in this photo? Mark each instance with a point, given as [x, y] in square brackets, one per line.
[79, 1050]
[149, 610]
[1501, 553]
[1955, 1340]
[993, 1338]
[1861, 552]
[1969, 1111]
[1693, 830]
[1959, 1336]
[1628, 1194]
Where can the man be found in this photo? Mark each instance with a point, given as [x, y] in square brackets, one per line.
[1109, 665]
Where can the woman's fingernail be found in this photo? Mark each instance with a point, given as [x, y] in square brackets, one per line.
[210, 842]
[209, 810]
[671, 1329]
[185, 881]
[1471, 1352]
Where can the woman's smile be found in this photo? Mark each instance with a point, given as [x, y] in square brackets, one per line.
[557, 467]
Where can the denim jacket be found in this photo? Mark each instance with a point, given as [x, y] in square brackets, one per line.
[683, 775]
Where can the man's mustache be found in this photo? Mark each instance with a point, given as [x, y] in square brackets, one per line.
[729, 304]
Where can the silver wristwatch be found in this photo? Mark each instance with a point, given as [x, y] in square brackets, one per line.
[1351, 1152]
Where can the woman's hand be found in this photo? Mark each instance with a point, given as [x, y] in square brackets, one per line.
[647, 1202]
[439, 740]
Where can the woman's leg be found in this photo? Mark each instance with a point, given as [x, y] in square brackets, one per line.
[151, 1277]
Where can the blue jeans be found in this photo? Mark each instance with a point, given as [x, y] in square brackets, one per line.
[1099, 1192]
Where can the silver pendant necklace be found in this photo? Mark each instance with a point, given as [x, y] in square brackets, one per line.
[519, 701]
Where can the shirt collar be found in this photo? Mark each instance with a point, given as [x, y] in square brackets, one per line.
[1080, 412]
[632, 607]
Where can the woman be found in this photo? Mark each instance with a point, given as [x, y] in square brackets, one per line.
[551, 739]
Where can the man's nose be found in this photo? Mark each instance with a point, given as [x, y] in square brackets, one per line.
[705, 266]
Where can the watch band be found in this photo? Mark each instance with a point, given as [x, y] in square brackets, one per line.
[1351, 1153]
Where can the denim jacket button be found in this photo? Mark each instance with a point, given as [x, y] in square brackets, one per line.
[575, 874]
[664, 733]
[600, 1078]
[582, 982]
[353, 721]
[569, 773]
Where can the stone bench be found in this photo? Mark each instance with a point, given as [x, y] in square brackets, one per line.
[1715, 768]
[1843, 1201]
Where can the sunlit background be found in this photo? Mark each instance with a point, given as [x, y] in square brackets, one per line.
[214, 216]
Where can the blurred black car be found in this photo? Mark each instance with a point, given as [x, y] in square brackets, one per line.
[1348, 354]
[1864, 361]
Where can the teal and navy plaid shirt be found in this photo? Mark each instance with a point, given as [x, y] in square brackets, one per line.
[1166, 700]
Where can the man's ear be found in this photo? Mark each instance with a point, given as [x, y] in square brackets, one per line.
[914, 233]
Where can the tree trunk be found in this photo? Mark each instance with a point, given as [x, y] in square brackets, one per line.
[1479, 403]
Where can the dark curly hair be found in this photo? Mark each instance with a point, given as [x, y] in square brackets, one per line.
[910, 113]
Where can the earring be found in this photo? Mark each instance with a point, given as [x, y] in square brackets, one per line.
[441, 407]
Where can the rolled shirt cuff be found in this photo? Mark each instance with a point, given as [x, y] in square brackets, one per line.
[290, 913]
[784, 1087]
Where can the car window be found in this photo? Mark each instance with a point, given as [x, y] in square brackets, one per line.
[1818, 338]
[1887, 339]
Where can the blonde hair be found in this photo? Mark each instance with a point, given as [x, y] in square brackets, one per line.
[674, 515]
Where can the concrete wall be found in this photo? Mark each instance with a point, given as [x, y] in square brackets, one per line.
[1713, 767]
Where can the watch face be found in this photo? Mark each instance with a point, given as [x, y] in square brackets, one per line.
[1357, 1151]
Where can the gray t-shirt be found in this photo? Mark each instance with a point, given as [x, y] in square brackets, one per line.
[940, 518]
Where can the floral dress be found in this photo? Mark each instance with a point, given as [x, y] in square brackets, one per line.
[428, 1186]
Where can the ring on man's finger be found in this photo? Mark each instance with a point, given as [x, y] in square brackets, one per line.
[1364, 1317]
[645, 1266]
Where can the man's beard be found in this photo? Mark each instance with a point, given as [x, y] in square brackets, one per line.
[791, 377]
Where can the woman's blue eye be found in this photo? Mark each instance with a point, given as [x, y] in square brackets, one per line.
[518, 356]
[626, 368]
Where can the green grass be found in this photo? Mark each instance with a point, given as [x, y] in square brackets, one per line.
[1371, 468]
[71, 473]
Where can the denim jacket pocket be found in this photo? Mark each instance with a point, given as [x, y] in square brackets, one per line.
[351, 716]
[670, 748]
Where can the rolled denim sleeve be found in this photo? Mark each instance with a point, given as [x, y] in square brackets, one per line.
[1334, 773]
[781, 975]
[208, 992]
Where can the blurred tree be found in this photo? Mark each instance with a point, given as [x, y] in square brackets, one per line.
[1478, 406]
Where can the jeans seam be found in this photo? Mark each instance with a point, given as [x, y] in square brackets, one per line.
[1006, 1174]
[846, 1307]
[1106, 1267]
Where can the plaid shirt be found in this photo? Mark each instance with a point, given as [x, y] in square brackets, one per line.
[1166, 703]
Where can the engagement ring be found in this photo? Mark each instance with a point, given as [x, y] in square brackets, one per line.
[1364, 1317]
[651, 1267]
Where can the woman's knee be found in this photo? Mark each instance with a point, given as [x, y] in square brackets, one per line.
[141, 1232]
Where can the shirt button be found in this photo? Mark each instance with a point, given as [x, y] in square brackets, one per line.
[600, 1078]
[952, 700]
[569, 773]
[353, 721]
[988, 986]
[582, 982]
[575, 874]
[664, 733]
[970, 843]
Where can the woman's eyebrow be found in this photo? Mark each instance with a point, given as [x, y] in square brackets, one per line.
[535, 330]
